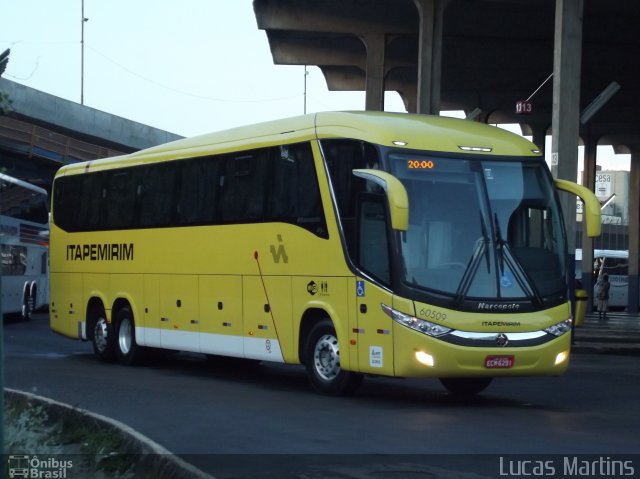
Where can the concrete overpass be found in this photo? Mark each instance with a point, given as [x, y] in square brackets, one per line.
[42, 132]
[483, 56]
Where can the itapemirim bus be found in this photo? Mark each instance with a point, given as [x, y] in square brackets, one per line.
[354, 243]
[24, 245]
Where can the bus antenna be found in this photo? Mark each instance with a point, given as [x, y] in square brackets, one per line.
[266, 295]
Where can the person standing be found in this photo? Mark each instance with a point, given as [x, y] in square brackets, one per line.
[602, 292]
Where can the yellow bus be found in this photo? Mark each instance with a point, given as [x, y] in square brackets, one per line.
[354, 243]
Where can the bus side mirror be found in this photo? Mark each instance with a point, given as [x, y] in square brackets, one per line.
[591, 211]
[396, 196]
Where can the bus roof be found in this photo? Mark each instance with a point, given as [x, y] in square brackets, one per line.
[411, 131]
[24, 184]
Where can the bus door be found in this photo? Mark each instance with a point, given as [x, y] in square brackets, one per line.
[375, 340]
[179, 320]
[374, 331]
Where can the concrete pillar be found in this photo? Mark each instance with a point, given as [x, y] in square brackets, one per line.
[634, 232]
[588, 180]
[431, 14]
[566, 111]
[374, 83]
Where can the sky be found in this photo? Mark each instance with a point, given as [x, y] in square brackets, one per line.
[188, 67]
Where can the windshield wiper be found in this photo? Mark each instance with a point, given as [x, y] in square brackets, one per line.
[480, 249]
[500, 243]
[485, 240]
[505, 256]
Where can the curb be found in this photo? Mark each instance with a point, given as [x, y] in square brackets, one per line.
[158, 459]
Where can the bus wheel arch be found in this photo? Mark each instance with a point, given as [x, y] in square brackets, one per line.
[127, 351]
[321, 357]
[100, 331]
[309, 319]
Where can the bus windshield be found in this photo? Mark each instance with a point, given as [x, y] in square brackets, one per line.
[481, 229]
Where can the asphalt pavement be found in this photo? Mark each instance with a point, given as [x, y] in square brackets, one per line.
[231, 424]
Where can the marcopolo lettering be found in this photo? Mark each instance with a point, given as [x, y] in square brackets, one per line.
[100, 252]
[498, 307]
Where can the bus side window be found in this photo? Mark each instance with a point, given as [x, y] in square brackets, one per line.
[342, 157]
[121, 198]
[89, 200]
[294, 194]
[157, 194]
[243, 193]
[199, 189]
[44, 263]
[616, 266]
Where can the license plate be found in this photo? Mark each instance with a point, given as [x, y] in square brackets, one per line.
[499, 362]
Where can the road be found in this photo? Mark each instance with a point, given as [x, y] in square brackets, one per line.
[210, 413]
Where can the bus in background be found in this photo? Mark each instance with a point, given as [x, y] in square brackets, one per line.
[615, 263]
[24, 240]
[352, 242]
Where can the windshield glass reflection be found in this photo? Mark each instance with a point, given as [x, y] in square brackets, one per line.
[480, 229]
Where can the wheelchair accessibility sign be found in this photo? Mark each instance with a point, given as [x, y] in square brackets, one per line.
[360, 289]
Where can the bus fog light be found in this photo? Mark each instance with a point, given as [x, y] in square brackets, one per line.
[424, 358]
[561, 357]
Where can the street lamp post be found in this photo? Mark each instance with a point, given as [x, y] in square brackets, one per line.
[83, 20]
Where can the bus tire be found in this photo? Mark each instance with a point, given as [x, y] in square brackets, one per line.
[28, 303]
[465, 386]
[322, 361]
[103, 338]
[127, 350]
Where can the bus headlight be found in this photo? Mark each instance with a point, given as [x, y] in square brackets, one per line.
[420, 325]
[560, 328]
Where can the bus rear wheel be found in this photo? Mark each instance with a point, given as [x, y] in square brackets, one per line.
[465, 386]
[102, 339]
[127, 350]
[322, 360]
[28, 304]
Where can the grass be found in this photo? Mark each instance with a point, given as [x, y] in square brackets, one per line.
[33, 429]
[96, 449]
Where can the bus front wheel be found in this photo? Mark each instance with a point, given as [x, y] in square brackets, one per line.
[465, 386]
[127, 350]
[322, 360]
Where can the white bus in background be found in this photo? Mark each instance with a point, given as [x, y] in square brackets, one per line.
[24, 245]
[615, 263]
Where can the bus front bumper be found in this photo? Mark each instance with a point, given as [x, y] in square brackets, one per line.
[419, 355]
